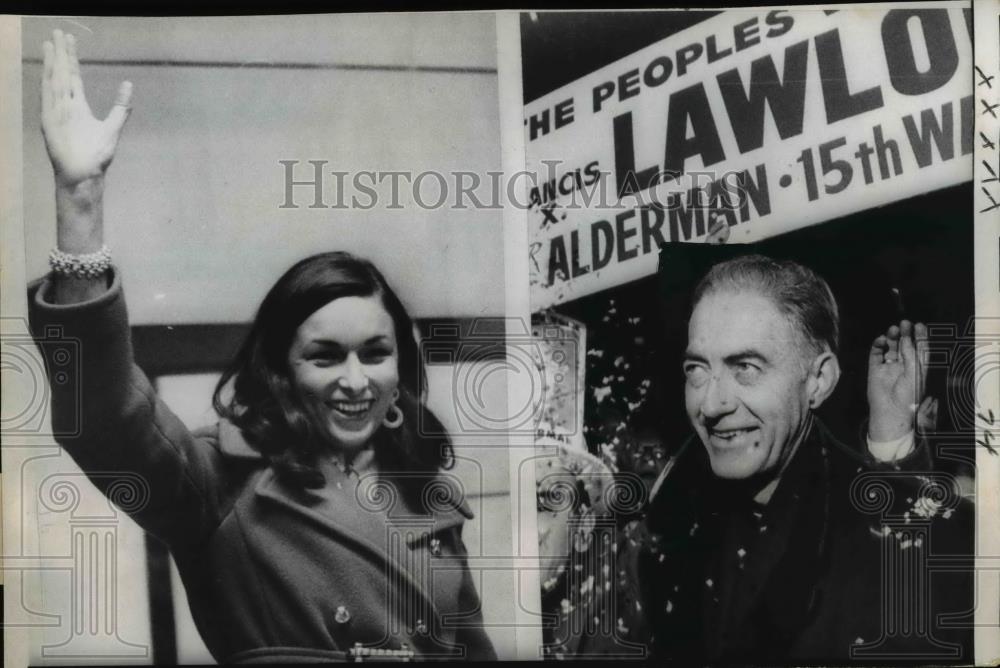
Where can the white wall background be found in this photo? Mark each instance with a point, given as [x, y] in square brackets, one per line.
[192, 201]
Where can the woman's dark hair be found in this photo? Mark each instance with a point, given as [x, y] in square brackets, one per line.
[264, 403]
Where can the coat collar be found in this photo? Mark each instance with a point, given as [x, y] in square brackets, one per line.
[233, 444]
[444, 491]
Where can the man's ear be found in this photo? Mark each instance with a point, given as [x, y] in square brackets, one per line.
[824, 373]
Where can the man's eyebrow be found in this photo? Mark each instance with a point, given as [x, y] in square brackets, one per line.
[690, 356]
[748, 354]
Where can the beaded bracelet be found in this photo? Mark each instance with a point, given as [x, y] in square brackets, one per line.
[90, 265]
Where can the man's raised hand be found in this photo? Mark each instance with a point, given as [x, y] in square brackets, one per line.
[897, 375]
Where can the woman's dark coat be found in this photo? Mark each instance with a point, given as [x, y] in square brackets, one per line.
[271, 572]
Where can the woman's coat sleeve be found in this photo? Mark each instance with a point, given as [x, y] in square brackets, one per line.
[107, 416]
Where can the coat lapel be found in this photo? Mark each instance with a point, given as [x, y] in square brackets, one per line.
[441, 492]
[776, 593]
[304, 505]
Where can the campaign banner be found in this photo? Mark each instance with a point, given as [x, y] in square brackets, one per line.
[769, 120]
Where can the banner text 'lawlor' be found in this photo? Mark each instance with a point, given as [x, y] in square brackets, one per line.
[770, 119]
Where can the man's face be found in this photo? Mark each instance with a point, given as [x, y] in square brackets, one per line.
[746, 382]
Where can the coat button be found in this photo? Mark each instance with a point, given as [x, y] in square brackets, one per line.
[342, 615]
[421, 627]
[435, 547]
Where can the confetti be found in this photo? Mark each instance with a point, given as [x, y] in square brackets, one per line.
[926, 507]
[601, 393]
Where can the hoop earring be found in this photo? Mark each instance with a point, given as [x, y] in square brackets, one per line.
[397, 420]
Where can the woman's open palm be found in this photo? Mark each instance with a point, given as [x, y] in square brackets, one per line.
[80, 146]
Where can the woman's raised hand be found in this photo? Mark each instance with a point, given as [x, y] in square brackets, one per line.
[80, 146]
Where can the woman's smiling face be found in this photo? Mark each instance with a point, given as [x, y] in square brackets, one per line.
[344, 365]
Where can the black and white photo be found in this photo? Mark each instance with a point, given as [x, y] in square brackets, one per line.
[655, 336]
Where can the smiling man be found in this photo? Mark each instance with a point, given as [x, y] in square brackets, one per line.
[767, 540]
[760, 357]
